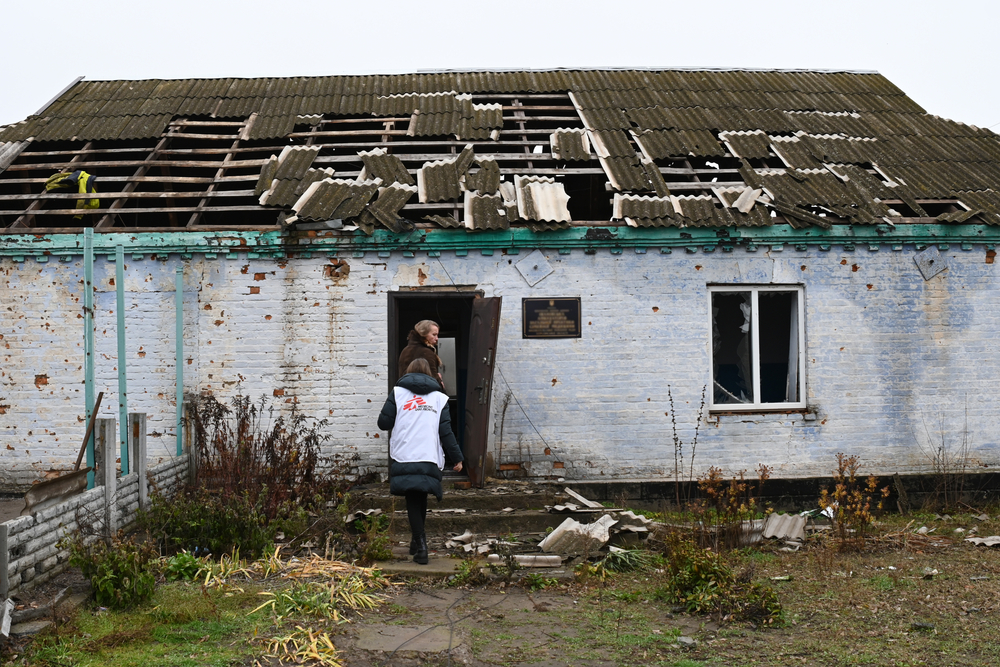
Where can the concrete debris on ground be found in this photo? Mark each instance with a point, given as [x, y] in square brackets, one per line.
[459, 540]
[584, 506]
[571, 508]
[8, 607]
[583, 501]
[28, 628]
[361, 514]
[991, 541]
[529, 560]
[467, 542]
[31, 619]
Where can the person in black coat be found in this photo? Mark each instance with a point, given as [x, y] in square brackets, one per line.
[417, 414]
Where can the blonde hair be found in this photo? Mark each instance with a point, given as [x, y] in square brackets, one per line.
[423, 327]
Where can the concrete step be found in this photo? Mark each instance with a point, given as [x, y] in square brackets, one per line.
[441, 564]
[479, 510]
[519, 496]
[489, 523]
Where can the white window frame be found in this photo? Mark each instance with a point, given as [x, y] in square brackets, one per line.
[757, 405]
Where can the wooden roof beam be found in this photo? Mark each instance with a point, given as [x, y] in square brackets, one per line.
[27, 218]
[132, 184]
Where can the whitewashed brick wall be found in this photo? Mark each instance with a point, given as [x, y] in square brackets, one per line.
[894, 362]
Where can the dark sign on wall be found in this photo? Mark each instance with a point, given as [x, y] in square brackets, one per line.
[550, 318]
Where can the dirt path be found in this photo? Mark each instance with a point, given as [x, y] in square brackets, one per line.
[425, 625]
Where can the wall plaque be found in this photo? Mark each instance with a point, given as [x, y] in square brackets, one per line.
[550, 318]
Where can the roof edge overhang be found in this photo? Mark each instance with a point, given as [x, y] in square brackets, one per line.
[282, 244]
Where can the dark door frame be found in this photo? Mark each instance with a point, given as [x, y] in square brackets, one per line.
[392, 316]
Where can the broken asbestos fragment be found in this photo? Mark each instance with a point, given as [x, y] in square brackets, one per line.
[485, 211]
[380, 164]
[334, 198]
[541, 198]
[570, 144]
[572, 536]
[529, 560]
[785, 527]
[386, 208]
[438, 181]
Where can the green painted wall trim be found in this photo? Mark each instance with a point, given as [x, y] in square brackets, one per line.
[64, 247]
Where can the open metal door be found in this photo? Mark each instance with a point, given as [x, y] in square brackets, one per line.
[482, 355]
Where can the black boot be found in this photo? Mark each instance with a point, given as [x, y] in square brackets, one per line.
[414, 543]
[421, 556]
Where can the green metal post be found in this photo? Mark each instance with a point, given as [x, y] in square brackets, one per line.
[179, 288]
[122, 379]
[88, 342]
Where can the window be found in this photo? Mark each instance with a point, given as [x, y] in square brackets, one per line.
[758, 348]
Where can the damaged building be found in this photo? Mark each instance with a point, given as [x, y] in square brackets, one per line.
[796, 263]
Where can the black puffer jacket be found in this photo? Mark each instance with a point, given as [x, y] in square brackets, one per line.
[420, 475]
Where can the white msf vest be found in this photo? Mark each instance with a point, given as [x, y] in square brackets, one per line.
[415, 435]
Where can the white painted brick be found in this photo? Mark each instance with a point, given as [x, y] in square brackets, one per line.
[881, 360]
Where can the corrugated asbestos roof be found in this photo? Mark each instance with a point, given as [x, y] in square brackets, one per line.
[815, 144]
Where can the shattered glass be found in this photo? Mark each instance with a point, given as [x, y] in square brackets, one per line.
[731, 339]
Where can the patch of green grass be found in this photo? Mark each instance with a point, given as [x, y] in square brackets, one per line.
[625, 596]
[396, 609]
[755, 556]
[882, 582]
[181, 627]
[536, 582]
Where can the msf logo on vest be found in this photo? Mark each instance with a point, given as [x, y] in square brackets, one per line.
[417, 403]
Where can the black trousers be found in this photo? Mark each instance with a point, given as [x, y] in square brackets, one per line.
[416, 511]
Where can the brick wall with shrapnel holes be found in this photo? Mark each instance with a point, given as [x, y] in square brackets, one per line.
[896, 365]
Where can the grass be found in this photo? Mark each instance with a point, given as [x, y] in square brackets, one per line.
[239, 611]
[183, 627]
[839, 609]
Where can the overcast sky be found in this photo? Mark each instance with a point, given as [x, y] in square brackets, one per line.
[942, 54]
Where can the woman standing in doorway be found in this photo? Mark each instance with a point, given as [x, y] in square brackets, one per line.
[421, 343]
[417, 414]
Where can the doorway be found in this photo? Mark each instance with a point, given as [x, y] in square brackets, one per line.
[453, 313]
[468, 328]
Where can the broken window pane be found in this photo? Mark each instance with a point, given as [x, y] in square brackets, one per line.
[731, 338]
[756, 348]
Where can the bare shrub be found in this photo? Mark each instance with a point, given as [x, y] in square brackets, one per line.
[275, 460]
[727, 506]
[854, 502]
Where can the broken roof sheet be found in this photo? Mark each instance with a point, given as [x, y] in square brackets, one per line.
[845, 141]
